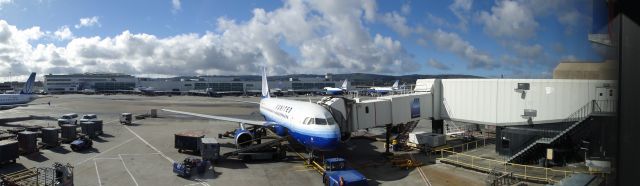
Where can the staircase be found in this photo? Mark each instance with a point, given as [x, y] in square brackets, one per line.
[575, 119]
[403, 136]
[452, 128]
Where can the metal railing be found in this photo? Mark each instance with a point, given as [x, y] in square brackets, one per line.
[525, 172]
[593, 106]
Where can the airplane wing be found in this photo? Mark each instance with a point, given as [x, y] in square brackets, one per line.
[245, 121]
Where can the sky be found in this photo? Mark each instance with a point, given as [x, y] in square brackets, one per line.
[520, 38]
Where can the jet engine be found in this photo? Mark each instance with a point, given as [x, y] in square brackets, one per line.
[243, 138]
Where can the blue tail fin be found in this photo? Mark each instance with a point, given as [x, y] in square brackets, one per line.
[265, 84]
[28, 86]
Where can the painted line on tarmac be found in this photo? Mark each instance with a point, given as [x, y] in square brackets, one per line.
[202, 182]
[139, 154]
[127, 169]
[422, 174]
[106, 159]
[151, 146]
[97, 173]
[114, 147]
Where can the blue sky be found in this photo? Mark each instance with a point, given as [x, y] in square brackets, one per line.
[209, 37]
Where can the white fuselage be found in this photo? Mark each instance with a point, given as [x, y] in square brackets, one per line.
[7, 101]
[294, 115]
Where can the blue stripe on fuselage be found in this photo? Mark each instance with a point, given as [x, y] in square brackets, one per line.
[315, 141]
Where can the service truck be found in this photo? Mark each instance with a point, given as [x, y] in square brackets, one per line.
[337, 174]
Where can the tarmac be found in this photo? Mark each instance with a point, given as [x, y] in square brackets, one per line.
[142, 153]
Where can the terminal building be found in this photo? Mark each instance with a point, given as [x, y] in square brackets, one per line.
[95, 81]
[113, 82]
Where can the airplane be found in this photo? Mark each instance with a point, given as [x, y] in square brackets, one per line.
[145, 90]
[309, 124]
[383, 90]
[9, 101]
[336, 91]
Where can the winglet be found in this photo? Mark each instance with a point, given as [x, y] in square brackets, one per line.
[265, 85]
[28, 86]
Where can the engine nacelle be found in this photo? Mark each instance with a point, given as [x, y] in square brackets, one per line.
[279, 130]
[243, 138]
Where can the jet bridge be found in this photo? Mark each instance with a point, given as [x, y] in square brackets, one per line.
[356, 114]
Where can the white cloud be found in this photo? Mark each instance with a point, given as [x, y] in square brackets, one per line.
[370, 8]
[88, 22]
[569, 58]
[435, 64]
[405, 9]
[453, 43]
[15, 49]
[509, 19]
[328, 37]
[528, 52]
[397, 22]
[570, 19]
[462, 10]
[63, 33]
[5, 2]
[175, 6]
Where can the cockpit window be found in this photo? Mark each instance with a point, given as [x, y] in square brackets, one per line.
[306, 121]
[320, 121]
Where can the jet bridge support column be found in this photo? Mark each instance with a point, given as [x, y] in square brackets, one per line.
[437, 126]
[388, 139]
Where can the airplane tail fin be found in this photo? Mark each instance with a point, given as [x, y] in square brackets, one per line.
[395, 85]
[28, 86]
[344, 85]
[265, 85]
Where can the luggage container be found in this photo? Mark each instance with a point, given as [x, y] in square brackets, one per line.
[28, 142]
[126, 118]
[69, 132]
[50, 137]
[209, 149]
[88, 128]
[188, 140]
[8, 151]
[99, 126]
[428, 139]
